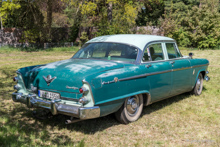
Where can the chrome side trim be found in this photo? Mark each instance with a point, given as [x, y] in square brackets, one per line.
[144, 75]
[154, 73]
[138, 76]
[109, 82]
[183, 68]
[199, 65]
[84, 81]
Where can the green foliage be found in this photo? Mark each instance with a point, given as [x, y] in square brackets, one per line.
[74, 20]
[27, 16]
[96, 13]
[181, 6]
[123, 19]
[151, 11]
[198, 28]
[8, 8]
[193, 23]
[203, 26]
[83, 38]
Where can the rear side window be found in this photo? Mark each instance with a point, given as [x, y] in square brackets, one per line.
[153, 52]
[172, 51]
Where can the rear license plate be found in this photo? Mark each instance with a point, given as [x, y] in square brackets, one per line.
[48, 95]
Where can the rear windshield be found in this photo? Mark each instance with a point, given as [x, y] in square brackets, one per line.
[107, 51]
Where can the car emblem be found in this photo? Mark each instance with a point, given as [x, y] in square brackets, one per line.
[75, 88]
[116, 79]
[49, 79]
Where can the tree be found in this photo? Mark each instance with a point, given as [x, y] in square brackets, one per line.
[198, 28]
[7, 9]
[202, 23]
[151, 11]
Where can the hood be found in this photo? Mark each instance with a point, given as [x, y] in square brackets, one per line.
[68, 73]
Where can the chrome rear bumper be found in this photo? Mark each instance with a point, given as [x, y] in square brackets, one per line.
[57, 108]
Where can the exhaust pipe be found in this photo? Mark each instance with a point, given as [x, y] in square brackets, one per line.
[70, 121]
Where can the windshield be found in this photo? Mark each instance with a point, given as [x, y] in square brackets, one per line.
[107, 51]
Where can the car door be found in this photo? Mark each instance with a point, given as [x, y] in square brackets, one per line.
[181, 69]
[158, 71]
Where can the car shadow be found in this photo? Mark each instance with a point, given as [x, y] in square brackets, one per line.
[94, 125]
[163, 103]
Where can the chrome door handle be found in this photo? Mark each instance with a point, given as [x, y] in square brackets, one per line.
[172, 62]
[149, 65]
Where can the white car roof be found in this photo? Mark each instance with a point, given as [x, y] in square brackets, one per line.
[137, 40]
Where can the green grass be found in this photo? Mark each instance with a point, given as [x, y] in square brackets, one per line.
[184, 120]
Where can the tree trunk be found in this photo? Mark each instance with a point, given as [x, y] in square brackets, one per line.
[76, 25]
[49, 16]
[200, 4]
[1, 23]
[109, 11]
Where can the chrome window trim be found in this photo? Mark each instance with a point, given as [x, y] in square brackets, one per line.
[162, 48]
[180, 58]
[176, 50]
[158, 41]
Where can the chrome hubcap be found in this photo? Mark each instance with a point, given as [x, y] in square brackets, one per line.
[132, 105]
[198, 83]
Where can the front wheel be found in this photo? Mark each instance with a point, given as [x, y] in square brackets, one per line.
[197, 90]
[130, 110]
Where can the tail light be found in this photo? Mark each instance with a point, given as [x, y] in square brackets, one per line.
[15, 79]
[82, 90]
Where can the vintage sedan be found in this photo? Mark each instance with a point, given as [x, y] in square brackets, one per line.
[111, 74]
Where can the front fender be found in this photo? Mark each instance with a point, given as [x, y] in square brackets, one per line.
[203, 69]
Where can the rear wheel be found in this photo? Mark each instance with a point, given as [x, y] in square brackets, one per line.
[130, 110]
[197, 90]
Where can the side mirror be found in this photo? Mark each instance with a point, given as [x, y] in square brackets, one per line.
[190, 55]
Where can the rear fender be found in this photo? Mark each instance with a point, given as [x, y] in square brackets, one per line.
[114, 104]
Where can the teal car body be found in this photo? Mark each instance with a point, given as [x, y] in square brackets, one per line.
[96, 82]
